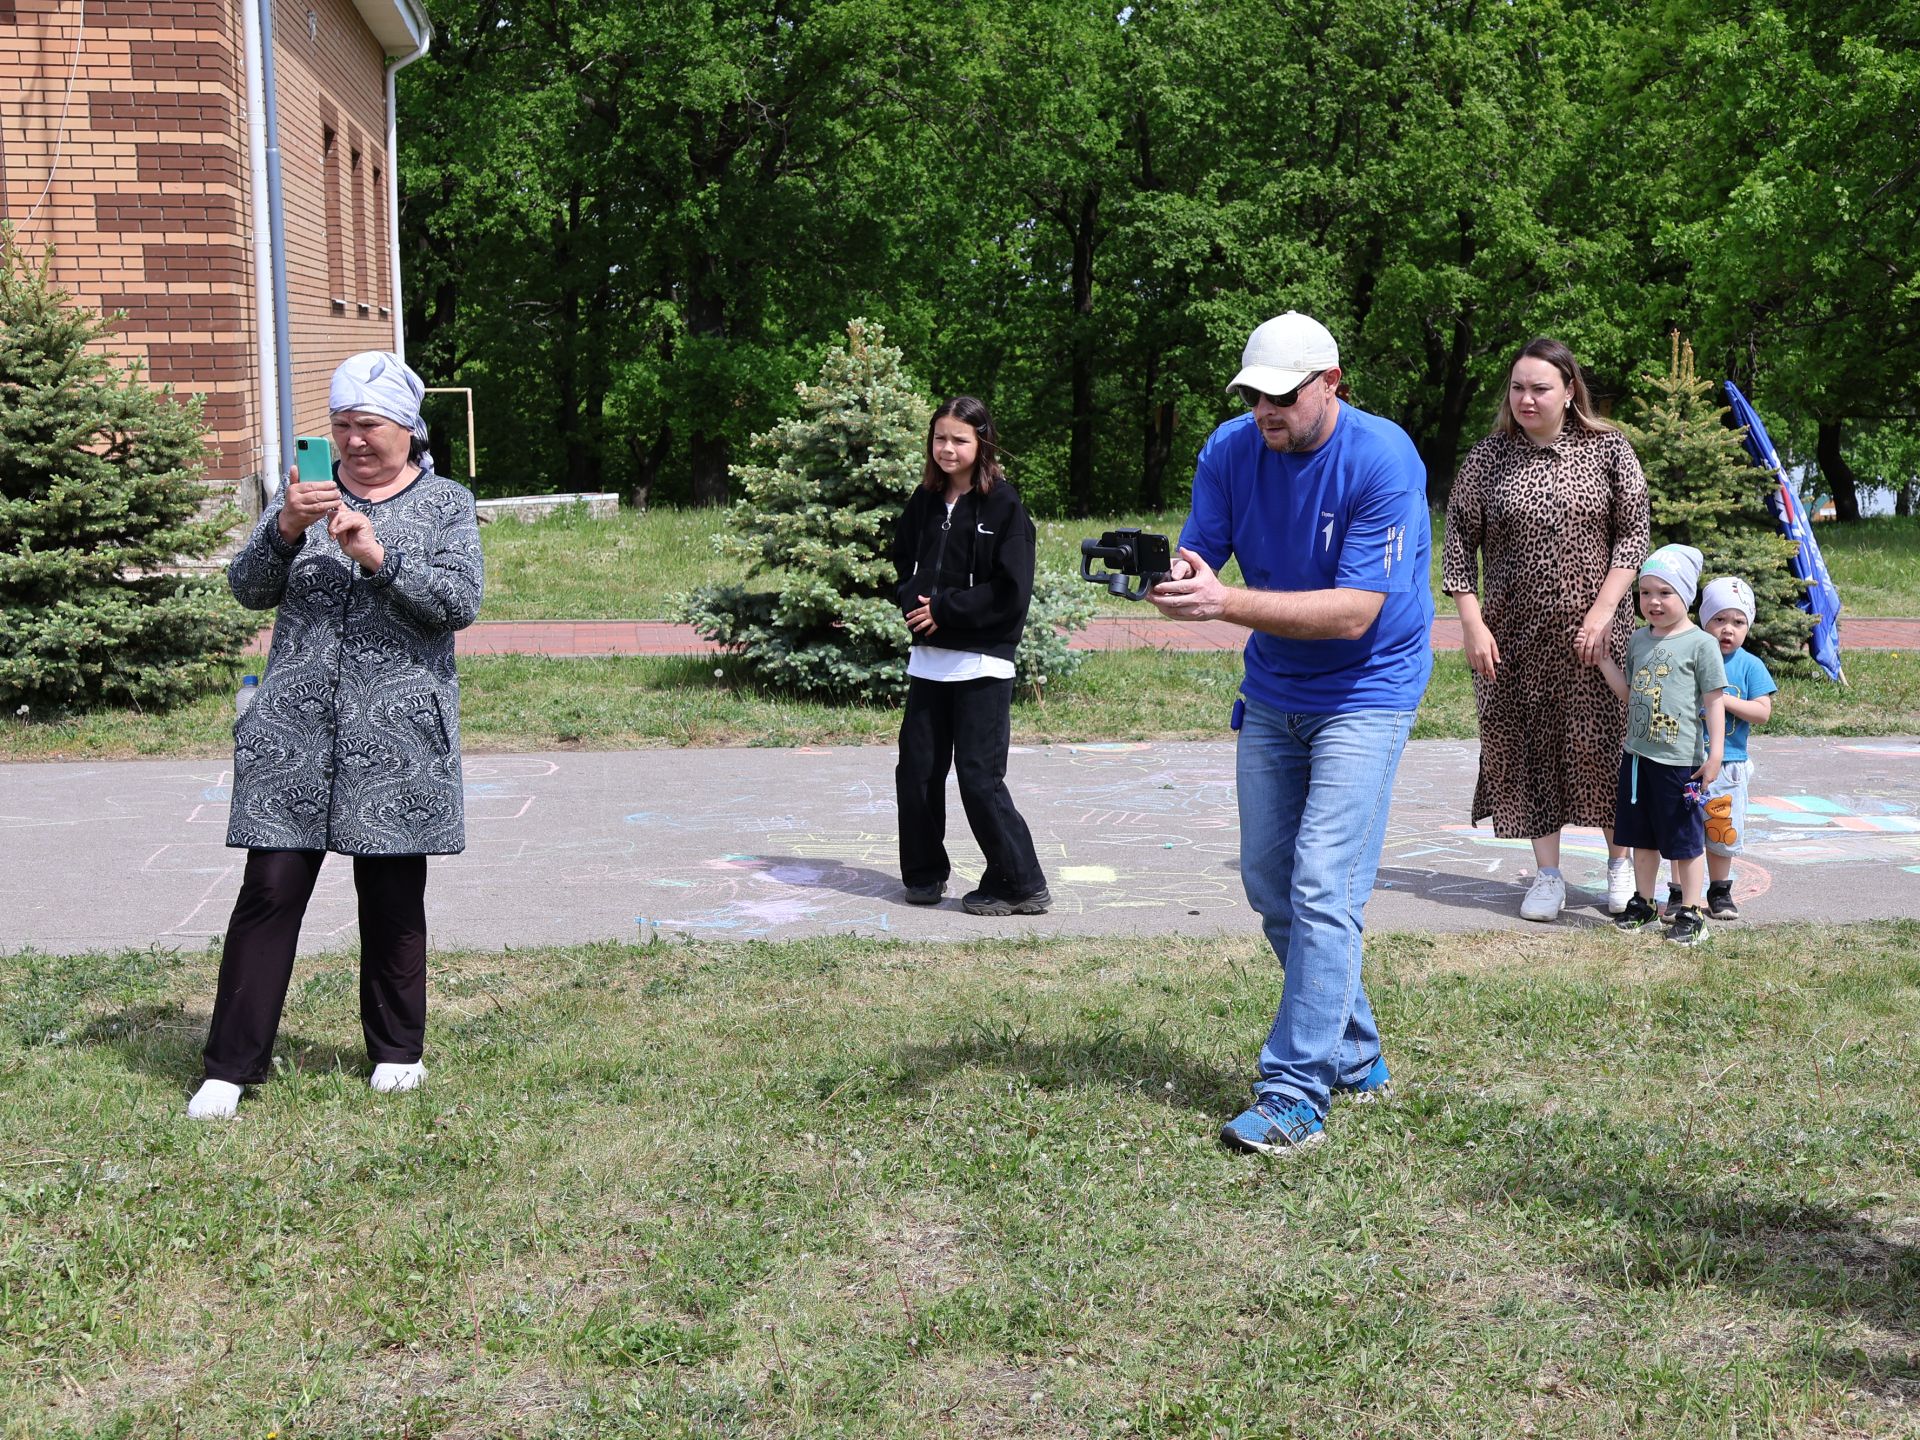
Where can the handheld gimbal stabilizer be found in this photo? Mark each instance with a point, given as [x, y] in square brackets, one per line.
[1136, 553]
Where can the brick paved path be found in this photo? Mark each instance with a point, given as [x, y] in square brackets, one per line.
[659, 637]
[1107, 632]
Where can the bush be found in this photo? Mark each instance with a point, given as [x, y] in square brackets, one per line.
[100, 492]
[820, 514]
[1706, 493]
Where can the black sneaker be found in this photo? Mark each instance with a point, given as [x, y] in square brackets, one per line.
[1638, 915]
[979, 902]
[1689, 927]
[1674, 901]
[926, 894]
[1720, 901]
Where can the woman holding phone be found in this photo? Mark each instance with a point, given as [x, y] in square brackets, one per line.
[353, 743]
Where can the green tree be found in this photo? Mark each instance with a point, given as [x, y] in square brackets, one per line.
[100, 496]
[1706, 493]
[818, 513]
[630, 213]
[1788, 133]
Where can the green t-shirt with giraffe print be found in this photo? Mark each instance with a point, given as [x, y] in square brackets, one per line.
[1667, 678]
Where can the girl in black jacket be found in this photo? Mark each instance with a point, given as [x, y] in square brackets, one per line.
[964, 554]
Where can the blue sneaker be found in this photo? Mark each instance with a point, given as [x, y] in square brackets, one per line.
[1272, 1127]
[1376, 1084]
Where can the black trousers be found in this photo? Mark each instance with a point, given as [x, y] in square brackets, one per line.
[257, 963]
[964, 725]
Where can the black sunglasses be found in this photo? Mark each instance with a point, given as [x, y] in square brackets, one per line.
[1279, 402]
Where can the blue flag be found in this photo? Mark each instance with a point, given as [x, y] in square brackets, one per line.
[1822, 601]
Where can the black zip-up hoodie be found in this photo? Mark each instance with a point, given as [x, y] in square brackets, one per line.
[977, 566]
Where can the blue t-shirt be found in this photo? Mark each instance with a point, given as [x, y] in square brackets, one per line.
[1350, 515]
[1747, 679]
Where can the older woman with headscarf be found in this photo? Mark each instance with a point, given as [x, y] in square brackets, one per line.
[353, 743]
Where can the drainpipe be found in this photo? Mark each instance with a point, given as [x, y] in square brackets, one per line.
[277, 223]
[272, 473]
[393, 189]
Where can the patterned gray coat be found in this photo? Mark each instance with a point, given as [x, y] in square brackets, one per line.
[353, 743]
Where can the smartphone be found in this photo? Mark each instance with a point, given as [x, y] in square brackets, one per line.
[313, 459]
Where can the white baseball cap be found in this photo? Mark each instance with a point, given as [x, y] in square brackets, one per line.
[1282, 353]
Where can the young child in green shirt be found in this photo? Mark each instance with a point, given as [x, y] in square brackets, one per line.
[1673, 685]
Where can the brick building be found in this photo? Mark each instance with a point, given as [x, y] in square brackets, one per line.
[126, 142]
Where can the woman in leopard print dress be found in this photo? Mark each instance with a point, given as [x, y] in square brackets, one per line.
[1552, 506]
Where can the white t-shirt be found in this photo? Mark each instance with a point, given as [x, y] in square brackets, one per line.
[930, 662]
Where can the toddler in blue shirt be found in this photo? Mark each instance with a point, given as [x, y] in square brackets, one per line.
[1726, 613]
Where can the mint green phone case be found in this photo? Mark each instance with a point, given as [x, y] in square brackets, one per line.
[313, 458]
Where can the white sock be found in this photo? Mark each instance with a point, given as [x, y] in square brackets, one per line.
[391, 1079]
[214, 1100]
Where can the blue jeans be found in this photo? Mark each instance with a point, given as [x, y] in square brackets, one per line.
[1314, 792]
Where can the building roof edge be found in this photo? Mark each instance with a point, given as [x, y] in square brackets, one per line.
[401, 26]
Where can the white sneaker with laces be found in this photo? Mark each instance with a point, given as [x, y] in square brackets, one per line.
[1545, 897]
[1619, 884]
[392, 1079]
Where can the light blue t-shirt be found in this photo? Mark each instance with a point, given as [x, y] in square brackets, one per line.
[1351, 515]
[1747, 679]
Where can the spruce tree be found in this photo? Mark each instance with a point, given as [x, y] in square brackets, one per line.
[817, 514]
[1706, 492]
[100, 496]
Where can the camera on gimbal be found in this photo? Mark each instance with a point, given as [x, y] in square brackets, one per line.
[1138, 555]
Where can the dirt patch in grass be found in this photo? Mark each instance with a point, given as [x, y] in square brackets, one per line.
[923, 1254]
[991, 1401]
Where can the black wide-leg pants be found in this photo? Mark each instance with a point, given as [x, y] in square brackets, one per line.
[965, 725]
[257, 964]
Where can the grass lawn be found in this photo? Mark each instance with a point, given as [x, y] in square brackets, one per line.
[515, 703]
[854, 1188]
[568, 567]
[1875, 564]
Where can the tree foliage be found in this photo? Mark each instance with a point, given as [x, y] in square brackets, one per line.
[1786, 138]
[817, 515]
[100, 496]
[630, 225]
[1707, 493]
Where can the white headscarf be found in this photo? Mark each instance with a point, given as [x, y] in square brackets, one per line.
[381, 383]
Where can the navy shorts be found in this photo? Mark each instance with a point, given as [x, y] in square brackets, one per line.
[1655, 811]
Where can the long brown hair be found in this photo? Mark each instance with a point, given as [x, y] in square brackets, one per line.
[986, 463]
[1556, 354]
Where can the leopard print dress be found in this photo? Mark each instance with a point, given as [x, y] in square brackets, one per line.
[1546, 525]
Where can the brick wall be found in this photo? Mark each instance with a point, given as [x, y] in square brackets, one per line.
[148, 204]
[331, 80]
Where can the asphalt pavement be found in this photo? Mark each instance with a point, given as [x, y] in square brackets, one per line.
[1137, 839]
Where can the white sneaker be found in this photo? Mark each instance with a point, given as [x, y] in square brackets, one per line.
[1545, 897]
[214, 1100]
[392, 1079]
[1619, 884]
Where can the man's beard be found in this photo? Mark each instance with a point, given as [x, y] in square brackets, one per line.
[1301, 441]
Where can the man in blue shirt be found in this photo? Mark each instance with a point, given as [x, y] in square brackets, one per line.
[1325, 507]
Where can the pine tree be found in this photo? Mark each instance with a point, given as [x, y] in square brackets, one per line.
[1707, 493]
[817, 512]
[100, 494]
